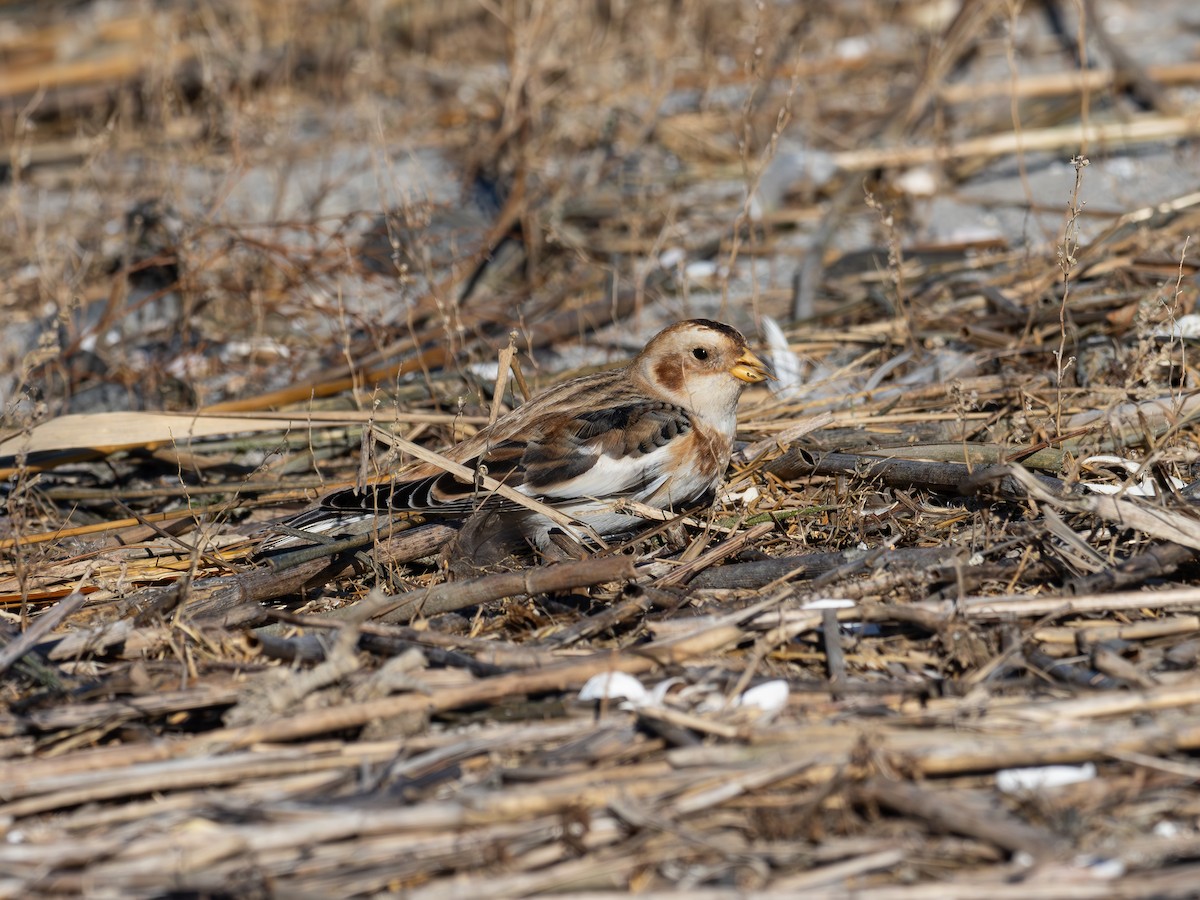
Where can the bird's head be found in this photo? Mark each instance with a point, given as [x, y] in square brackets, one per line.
[701, 365]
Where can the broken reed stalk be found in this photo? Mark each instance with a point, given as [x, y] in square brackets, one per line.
[800, 462]
[1153, 129]
[456, 595]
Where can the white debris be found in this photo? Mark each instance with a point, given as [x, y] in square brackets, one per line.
[1184, 327]
[256, 348]
[702, 269]
[857, 47]
[789, 370]
[1101, 868]
[1143, 486]
[658, 696]
[703, 272]
[1166, 829]
[614, 686]
[770, 697]
[828, 603]
[920, 182]
[742, 498]
[1037, 778]
[672, 257]
[488, 371]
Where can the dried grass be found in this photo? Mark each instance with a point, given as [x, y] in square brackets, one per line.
[965, 538]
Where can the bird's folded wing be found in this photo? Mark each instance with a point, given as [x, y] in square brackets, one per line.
[622, 451]
[443, 494]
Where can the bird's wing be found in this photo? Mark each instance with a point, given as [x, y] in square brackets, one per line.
[620, 451]
[627, 450]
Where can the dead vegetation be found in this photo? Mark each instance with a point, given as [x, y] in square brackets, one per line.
[938, 639]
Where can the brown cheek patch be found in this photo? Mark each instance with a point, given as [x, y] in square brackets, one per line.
[669, 374]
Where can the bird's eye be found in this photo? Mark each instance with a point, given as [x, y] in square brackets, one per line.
[700, 353]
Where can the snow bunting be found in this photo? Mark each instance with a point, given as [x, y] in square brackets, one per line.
[658, 431]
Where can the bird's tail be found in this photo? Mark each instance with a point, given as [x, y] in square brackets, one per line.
[318, 526]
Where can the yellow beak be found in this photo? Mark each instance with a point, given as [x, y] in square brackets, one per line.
[750, 369]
